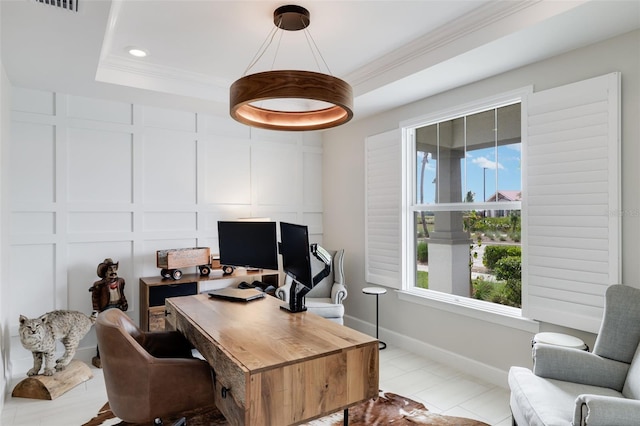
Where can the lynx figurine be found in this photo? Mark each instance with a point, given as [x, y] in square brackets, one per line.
[39, 335]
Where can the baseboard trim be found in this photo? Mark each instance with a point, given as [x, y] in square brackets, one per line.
[467, 365]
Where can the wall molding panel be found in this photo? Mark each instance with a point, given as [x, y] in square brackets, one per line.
[92, 178]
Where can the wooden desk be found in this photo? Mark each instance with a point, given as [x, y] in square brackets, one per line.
[273, 367]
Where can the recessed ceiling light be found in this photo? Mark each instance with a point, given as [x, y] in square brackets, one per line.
[137, 52]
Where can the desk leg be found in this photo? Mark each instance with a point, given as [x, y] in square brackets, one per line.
[345, 416]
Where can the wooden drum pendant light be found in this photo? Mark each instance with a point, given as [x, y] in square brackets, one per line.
[335, 94]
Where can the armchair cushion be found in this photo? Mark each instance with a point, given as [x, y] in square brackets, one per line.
[325, 308]
[538, 401]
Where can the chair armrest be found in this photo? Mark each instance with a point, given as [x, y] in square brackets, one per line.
[338, 293]
[596, 410]
[578, 366]
[282, 293]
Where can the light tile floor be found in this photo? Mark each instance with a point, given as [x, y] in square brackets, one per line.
[443, 389]
[440, 388]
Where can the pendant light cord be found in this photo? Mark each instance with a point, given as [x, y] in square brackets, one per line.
[262, 49]
[313, 47]
[310, 40]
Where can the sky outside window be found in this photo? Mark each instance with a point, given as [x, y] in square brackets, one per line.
[488, 148]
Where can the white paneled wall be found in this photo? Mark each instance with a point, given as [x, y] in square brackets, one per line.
[91, 179]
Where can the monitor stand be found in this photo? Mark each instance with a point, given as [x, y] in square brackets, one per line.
[296, 298]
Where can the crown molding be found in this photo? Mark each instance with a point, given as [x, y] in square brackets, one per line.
[479, 26]
[130, 72]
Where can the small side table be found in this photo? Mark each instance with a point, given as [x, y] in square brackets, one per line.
[377, 291]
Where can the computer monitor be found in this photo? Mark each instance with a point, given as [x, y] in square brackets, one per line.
[296, 263]
[294, 248]
[253, 245]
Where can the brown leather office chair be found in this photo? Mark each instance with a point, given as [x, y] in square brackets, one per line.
[149, 376]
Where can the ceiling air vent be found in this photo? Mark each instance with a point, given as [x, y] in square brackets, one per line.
[62, 4]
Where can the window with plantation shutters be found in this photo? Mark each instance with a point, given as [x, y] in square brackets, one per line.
[570, 201]
[571, 213]
[383, 219]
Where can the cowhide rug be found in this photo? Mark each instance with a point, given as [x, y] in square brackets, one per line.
[387, 409]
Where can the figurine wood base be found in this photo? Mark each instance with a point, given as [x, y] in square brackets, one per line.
[51, 387]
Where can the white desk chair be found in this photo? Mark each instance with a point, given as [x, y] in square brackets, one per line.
[326, 298]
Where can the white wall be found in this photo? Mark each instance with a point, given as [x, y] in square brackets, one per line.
[91, 179]
[5, 99]
[483, 347]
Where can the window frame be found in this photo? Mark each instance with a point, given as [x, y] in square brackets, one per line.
[479, 309]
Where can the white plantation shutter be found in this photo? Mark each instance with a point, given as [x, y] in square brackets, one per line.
[383, 221]
[571, 205]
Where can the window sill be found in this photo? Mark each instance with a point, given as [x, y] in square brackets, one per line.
[491, 312]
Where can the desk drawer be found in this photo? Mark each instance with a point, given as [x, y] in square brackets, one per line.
[157, 294]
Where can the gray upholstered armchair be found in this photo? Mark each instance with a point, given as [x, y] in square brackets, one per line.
[579, 388]
[326, 298]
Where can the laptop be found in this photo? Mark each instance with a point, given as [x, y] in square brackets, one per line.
[236, 294]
